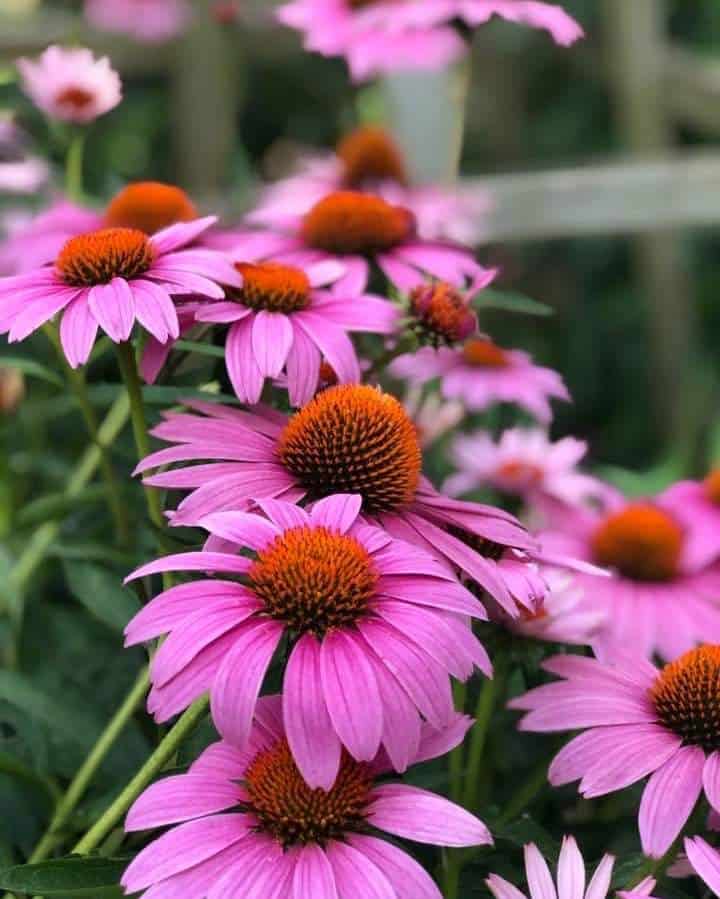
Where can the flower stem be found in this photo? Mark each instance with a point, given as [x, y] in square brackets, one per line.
[489, 693]
[76, 381]
[152, 766]
[128, 368]
[86, 772]
[74, 167]
[457, 756]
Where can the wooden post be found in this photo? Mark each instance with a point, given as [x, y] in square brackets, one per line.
[636, 43]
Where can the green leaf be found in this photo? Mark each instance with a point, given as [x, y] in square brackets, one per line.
[163, 396]
[510, 301]
[102, 593]
[66, 722]
[72, 876]
[54, 505]
[204, 349]
[32, 368]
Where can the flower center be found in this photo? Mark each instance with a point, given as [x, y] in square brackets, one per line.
[370, 154]
[295, 814]
[77, 97]
[712, 486]
[442, 313]
[523, 474]
[686, 695]
[349, 222]
[100, 256]
[273, 287]
[149, 206]
[642, 542]
[354, 438]
[313, 579]
[483, 353]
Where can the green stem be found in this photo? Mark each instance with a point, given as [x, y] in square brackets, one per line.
[152, 766]
[88, 769]
[74, 167]
[456, 761]
[76, 381]
[489, 693]
[453, 869]
[128, 368]
[525, 793]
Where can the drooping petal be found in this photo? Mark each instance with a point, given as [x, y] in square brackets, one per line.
[243, 369]
[78, 330]
[356, 876]
[272, 338]
[113, 306]
[705, 860]
[409, 879]
[313, 875]
[180, 798]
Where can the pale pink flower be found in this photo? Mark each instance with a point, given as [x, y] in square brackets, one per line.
[482, 374]
[110, 279]
[146, 20]
[70, 85]
[246, 824]
[432, 416]
[378, 628]
[20, 173]
[642, 721]
[570, 877]
[657, 601]
[697, 505]
[524, 462]
[704, 860]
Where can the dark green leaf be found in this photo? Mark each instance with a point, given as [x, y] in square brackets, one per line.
[54, 505]
[204, 349]
[32, 368]
[510, 301]
[73, 876]
[102, 593]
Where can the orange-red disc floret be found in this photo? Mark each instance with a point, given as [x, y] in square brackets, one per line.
[369, 154]
[442, 314]
[641, 541]
[686, 696]
[524, 473]
[483, 353]
[100, 256]
[712, 486]
[314, 579]
[350, 222]
[354, 438]
[272, 287]
[149, 206]
[293, 813]
[77, 97]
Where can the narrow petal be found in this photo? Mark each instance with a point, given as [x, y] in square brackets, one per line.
[303, 368]
[669, 798]
[181, 798]
[415, 814]
[193, 561]
[241, 528]
[113, 306]
[333, 343]
[503, 889]
[312, 738]
[313, 875]
[599, 885]
[571, 871]
[356, 876]
[705, 860]
[239, 679]
[539, 878]
[155, 310]
[78, 330]
[711, 780]
[409, 879]
[243, 369]
[272, 337]
[338, 512]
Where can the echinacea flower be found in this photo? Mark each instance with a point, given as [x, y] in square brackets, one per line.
[377, 36]
[704, 860]
[247, 824]
[656, 602]
[368, 159]
[640, 721]
[697, 505]
[149, 206]
[432, 416]
[356, 229]
[347, 439]
[570, 877]
[110, 279]
[70, 85]
[287, 318]
[524, 462]
[481, 374]
[378, 628]
[148, 21]
[563, 616]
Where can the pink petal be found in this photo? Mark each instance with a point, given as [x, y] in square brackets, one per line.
[272, 337]
[313, 875]
[333, 343]
[669, 797]
[356, 876]
[351, 693]
[78, 330]
[303, 369]
[338, 512]
[409, 879]
[711, 780]
[243, 369]
[571, 871]
[705, 860]
[155, 310]
[401, 721]
[415, 814]
[284, 515]
[194, 561]
[181, 798]
[241, 528]
[539, 878]
[181, 234]
[313, 741]
[503, 889]
[238, 681]
[113, 306]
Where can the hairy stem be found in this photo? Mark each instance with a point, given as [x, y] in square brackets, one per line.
[74, 167]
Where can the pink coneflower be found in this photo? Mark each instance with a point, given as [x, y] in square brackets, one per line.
[570, 877]
[287, 318]
[378, 628]
[146, 20]
[704, 860]
[432, 416]
[562, 617]
[70, 85]
[379, 36]
[110, 279]
[642, 721]
[697, 505]
[348, 439]
[249, 824]
[480, 373]
[368, 159]
[355, 229]
[523, 462]
[657, 601]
